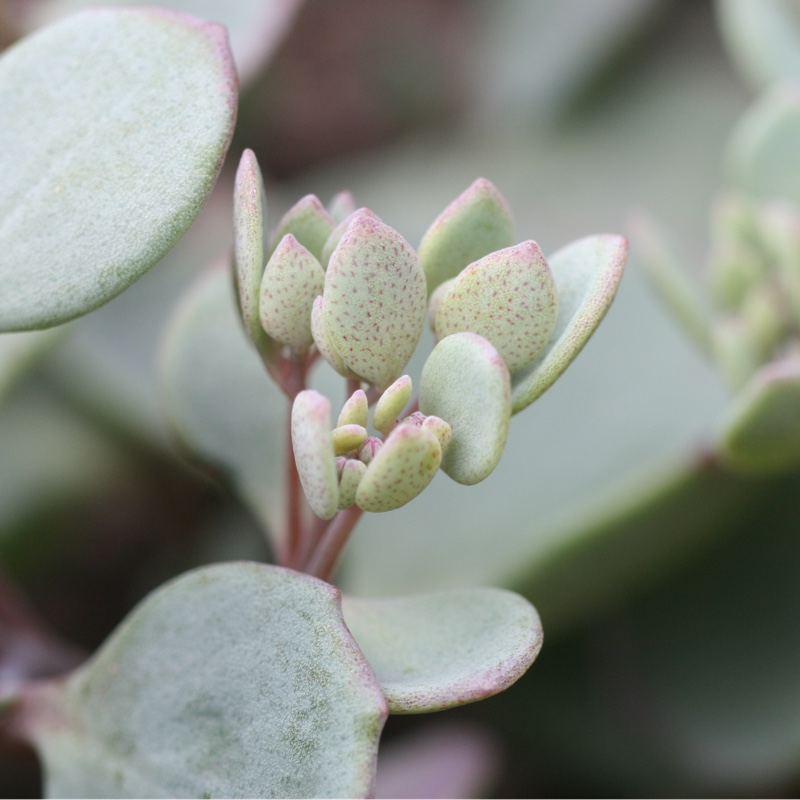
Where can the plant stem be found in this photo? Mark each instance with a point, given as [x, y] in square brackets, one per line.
[325, 556]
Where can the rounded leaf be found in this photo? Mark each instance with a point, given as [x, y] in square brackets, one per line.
[476, 223]
[587, 273]
[373, 306]
[292, 280]
[355, 411]
[116, 125]
[348, 437]
[509, 298]
[391, 403]
[400, 470]
[761, 431]
[352, 473]
[246, 682]
[443, 649]
[465, 381]
[312, 442]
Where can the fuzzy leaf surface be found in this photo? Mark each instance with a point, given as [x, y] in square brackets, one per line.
[587, 273]
[246, 684]
[121, 120]
[443, 649]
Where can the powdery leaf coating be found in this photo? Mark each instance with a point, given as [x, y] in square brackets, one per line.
[444, 649]
[352, 473]
[508, 297]
[465, 381]
[250, 242]
[292, 280]
[309, 222]
[348, 437]
[373, 306]
[443, 432]
[323, 342]
[337, 233]
[761, 431]
[400, 470]
[476, 223]
[435, 300]
[114, 129]
[587, 273]
[356, 410]
[246, 681]
[312, 443]
[391, 404]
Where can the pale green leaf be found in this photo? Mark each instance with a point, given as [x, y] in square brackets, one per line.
[236, 680]
[761, 430]
[400, 470]
[250, 244]
[309, 222]
[314, 451]
[509, 298]
[391, 404]
[292, 280]
[443, 649]
[465, 382]
[374, 303]
[587, 273]
[219, 401]
[119, 122]
[256, 27]
[476, 223]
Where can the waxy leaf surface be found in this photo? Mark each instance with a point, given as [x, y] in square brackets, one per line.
[466, 383]
[235, 680]
[118, 122]
[443, 649]
[587, 273]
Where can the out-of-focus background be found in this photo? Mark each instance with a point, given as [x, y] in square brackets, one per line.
[671, 663]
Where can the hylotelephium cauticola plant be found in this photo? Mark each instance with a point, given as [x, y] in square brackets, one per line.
[341, 284]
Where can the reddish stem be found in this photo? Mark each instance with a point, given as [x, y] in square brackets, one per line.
[325, 556]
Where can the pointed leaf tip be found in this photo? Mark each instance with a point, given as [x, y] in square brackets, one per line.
[476, 223]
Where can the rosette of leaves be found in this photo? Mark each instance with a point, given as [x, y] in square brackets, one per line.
[746, 316]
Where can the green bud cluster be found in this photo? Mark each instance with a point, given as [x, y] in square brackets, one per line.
[341, 284]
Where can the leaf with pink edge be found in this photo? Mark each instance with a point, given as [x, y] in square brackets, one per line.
[117, 125]
[587, 273]
[476, 223]
[443, 649]
[246, 682]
